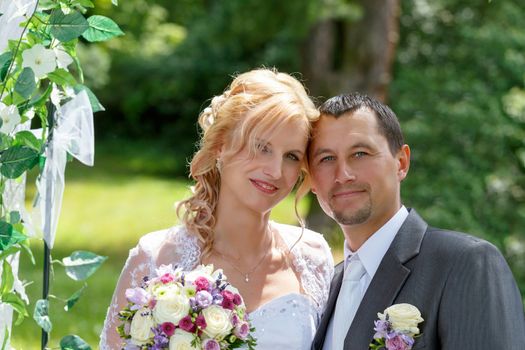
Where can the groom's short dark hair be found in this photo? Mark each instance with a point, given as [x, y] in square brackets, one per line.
[386, 119]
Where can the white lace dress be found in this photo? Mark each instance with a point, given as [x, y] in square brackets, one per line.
[286, 322]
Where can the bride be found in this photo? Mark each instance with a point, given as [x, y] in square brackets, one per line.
[252, 154]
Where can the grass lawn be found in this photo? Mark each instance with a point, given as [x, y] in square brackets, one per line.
[105, 210]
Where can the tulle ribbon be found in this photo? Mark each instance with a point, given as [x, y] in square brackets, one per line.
[14, 12]
[73, 134]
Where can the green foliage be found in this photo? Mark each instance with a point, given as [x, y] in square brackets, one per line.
[73, 342]
[81, 264]
[16, 160]
[41, 315]
[458, 90]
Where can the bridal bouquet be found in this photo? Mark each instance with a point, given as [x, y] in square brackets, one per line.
[185, 310]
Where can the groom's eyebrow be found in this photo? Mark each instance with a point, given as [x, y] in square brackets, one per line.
[321, 151]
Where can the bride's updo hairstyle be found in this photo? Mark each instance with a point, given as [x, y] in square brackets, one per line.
[252, 107]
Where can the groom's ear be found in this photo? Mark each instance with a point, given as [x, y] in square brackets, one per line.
[403, 162]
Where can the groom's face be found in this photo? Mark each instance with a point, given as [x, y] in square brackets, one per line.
[354, 174]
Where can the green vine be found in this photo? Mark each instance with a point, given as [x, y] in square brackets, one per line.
[40, 71]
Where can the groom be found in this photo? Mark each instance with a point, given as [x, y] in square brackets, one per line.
[461, 284]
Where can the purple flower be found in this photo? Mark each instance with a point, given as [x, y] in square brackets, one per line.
[397, 343]
[160, 340]
[203, 299]
[137, 296]
[235, 319]
[382, 328]
[211, 344]
[241, 330]
[186, 324]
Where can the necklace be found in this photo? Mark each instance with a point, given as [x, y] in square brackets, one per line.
[253, 269]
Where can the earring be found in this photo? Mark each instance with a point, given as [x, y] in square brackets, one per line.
[218, 165]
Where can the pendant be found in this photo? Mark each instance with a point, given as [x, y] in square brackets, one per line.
[246, 278]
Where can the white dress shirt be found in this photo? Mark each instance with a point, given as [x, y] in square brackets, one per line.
[370, 253]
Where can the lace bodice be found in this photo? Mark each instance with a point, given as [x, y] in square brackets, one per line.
[292, 316]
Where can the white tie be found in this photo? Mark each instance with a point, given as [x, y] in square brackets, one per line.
[347, 302]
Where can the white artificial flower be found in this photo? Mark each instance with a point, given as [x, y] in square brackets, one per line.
[200, 271]
[10, 118]
[218, 321]
[40, 60]
[404, 318]
[62, 57]
[14, 12]
[181, 340]
[56, 95]
[141, 324]
[171, 307]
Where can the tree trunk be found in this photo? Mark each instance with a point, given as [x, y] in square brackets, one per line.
[342, 56]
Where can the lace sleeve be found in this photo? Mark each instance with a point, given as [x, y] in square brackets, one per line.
[137, 266]
[173, 246]
[314, 261]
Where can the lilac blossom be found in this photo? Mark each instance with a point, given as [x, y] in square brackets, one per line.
[160, 339]
[382, 328]
[137, 296]
[203, 299]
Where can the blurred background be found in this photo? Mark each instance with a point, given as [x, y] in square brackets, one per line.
[453, 71]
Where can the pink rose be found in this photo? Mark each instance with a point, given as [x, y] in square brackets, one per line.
[186, 324]
[201, 283]
[166, 278]
[237, 300]
[168, 328]
[396, 343]
[200, 321]
[241, 330]
[211, 344]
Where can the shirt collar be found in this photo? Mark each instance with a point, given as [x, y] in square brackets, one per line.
[372, 251]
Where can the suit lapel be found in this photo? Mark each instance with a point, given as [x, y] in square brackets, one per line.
[335, 286]
[387, 282]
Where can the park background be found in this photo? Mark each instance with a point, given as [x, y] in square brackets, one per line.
[454, 72]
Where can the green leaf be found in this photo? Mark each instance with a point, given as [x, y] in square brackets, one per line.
[67, 27]
[25, 84]
[41, 315]
[42, 99]
[7, 278]
[5, 141]
[16, 160]
[9, 251]
[101, 28]
[5, 61]
[95, 104]
[73, 342]
[86, 3]
[82, 264]
[27, 138]
[25, 246]
[72, 300]
[14, 217]
[17, 304]
[9, 236]
[62, 77]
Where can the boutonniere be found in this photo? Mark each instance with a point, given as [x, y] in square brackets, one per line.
[396, 328]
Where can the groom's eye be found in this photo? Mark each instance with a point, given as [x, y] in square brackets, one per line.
[326, 159]
[360, 154]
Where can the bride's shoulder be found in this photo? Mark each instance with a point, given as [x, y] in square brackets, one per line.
[154, 241]
[309, 241]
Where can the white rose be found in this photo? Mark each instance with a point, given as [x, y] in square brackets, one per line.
[404, 317]
[181, 340]
[218, 321]
[141, 325]
[171, 307]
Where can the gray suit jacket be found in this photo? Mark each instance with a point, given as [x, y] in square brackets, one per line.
[461, 284]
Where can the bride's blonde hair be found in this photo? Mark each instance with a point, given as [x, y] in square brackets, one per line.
[254, 105]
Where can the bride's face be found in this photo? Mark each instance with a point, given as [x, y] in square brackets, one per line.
[261, 181]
